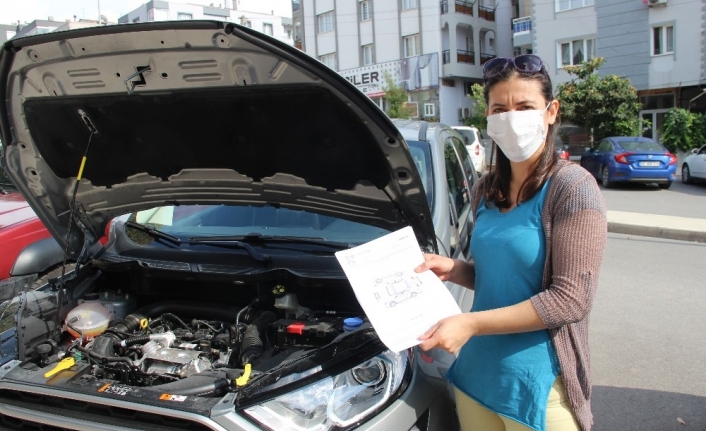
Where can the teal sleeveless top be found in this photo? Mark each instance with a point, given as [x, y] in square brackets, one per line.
[509, 374]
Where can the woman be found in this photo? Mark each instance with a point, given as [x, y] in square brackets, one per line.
[537, 244]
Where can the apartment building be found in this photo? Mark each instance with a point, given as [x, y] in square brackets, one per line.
[657, 44]
[434, 49]
[271, 17]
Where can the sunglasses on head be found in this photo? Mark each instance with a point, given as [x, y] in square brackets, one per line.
[526, 64]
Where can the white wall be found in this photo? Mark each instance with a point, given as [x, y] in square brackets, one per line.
[451, 99]
[683, 68]
[550, 27]
[349, 50]
[268, 7]
[387, 36]
[503, 37]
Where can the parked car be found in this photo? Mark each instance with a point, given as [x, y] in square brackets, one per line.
[30, 256]
[630, 159]
[217, 302]
[471, 137]
[694, 166]
[561, 149]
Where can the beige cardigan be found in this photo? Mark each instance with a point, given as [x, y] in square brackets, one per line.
[575, 230]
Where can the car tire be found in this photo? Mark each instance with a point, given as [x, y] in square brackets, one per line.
[53, 272]
[665, 186]
[605, 178]
[686, 174]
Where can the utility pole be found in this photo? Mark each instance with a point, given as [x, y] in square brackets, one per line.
[99, 12]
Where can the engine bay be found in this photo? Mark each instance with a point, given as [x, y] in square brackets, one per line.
[117, 329]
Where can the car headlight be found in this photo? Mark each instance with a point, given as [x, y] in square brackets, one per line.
[338, 401]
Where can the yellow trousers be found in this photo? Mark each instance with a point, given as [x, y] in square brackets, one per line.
[474, 417]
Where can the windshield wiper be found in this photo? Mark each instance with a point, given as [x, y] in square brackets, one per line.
[228, 241]
[155, 233]
[258, 238]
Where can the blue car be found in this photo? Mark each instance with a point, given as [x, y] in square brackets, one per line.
[630, 159]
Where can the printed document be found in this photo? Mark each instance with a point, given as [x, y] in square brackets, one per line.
[400, 303]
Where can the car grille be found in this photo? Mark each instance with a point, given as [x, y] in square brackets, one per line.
[86, 411]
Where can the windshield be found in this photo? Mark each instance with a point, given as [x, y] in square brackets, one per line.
[186, 221]
[469, 136]
[641, 146]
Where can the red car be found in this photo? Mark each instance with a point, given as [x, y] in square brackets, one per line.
[30, 256]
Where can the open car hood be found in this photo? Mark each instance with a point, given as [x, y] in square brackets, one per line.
[195, 112]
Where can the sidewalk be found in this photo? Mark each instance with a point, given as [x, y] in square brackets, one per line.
[657, 226]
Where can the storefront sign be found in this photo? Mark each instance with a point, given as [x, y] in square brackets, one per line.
[413, 74]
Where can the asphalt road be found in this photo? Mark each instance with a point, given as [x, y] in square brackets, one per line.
[648, 335]
[683, 200]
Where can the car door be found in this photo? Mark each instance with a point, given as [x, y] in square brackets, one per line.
[472, 177]
[589, 159]
[459, 196]
[698, 166]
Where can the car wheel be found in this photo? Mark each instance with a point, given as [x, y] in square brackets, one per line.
[54, 272]
[605, 178]
[665, 186]
[686, 175]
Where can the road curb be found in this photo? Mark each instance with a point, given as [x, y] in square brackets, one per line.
[657, 232]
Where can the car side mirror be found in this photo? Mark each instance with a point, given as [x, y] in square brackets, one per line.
[587, 150]
[695, 151]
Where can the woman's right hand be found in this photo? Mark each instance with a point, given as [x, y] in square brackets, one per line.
[440, 265]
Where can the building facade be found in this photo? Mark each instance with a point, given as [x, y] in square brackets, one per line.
[657, 44]
[435, 50]
[271, 17]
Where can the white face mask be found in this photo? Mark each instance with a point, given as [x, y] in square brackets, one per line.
[518, 133]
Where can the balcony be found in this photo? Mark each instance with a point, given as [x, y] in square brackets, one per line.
[484, 58]
[522, 31]
[462, 56]
[487, 13]
[460, 6]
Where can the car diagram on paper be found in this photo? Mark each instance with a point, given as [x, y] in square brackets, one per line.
[397, 288]
[401, 303]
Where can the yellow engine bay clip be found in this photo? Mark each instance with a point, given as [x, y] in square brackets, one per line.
[243, 380]
[65, 364]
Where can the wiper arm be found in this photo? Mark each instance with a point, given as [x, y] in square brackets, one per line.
[155, 233]
[234, 242]
[258, 238]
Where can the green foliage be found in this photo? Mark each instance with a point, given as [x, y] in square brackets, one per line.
[605, 106]
[396, 97]
[478, 118]
[683, 130]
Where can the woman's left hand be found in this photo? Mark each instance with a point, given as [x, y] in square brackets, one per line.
[450, 333]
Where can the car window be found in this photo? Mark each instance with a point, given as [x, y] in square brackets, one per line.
[469, 136]
[641, 145]
[466, 161]
[218, 220]
[456, 179]
[421, 154]
[702, 150]
[605, 145]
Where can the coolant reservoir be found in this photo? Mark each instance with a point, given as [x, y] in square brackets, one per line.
[93, 319]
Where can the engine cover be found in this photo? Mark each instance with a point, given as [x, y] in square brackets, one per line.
[175, 361]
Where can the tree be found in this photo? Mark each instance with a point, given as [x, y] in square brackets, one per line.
[604, 106]
[683, 130]
[396, 97]
[478, 118]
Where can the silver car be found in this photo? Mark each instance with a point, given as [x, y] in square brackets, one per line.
[202, 175]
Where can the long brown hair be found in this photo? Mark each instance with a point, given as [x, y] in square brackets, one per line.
[497, 187]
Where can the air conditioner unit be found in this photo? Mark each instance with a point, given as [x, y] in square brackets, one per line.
[466, 113]
[657, 2]
[460, 114]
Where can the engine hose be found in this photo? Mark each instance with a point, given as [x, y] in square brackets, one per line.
[199, 387]
[177, 319]
[103, 358]
[131, 323]
[252, 347]
[140, 339]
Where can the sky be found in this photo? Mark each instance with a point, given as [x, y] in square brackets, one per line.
[61, 10]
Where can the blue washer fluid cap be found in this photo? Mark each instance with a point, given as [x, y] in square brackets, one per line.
[352, 323]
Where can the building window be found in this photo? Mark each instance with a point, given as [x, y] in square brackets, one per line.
[183, 15]
[366, 10]
[267, 29]
[448, 82]
[326, 22]
[411, 45]
[663, 40]
[367, 55]
[562, 5]
[429, 110]
[577, 51]
[135, 20]
[409, 4]
[329, 60]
